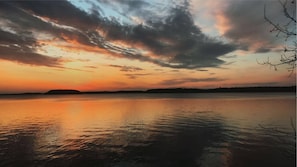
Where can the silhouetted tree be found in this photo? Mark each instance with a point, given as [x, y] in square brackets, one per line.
[287, 30]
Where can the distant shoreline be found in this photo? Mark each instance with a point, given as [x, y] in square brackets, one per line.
[168, 90]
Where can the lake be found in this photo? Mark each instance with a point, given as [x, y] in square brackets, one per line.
[149, 130]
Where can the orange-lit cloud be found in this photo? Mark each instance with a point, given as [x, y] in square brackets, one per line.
[223, 23]
[242, 22]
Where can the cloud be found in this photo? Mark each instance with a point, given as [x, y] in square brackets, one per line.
[202, 70]
[243, 23]
[256, 84]
[18, 42]
[140, 9]
[229, 56]
[62, 12]
[14, 54]
[134, 76]
[172, 40]
[189, 80]
[21, 48]
[92, 67]
[175, 42]
[127, 68]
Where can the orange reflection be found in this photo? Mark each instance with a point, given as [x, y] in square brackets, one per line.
[65, 120]
[77, 113]
[81, 112]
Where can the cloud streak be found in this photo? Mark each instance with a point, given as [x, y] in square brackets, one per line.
[127, 68]
[136, 75]
[180, 81]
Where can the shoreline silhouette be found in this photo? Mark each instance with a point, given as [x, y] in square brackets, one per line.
[167, 90]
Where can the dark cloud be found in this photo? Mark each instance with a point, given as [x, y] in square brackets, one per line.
[189, 80]
[202, 70]
[20, 19]
[20, 22]
[62, 12]
[127, 68]
[21, 48]
[27, 57]
[92, 67]
[17, 42]
[247, 26]
[175, 41]
[255, 84]
[134, 76]
[179, 41]
[263, 50]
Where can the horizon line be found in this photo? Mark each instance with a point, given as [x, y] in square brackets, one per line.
[168, 90]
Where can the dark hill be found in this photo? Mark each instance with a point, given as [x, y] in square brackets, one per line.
[62, 91]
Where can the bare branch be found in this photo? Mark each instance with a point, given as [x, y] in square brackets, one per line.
[279, 28]
[286, 11]
[284, 29]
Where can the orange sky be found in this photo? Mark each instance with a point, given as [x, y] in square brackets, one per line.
[182, 46]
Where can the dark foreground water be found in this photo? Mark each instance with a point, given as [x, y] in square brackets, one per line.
[148, 130]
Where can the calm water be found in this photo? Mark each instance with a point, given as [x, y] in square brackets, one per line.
[157, 130]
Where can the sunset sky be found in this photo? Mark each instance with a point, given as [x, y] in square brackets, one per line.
[93, 45]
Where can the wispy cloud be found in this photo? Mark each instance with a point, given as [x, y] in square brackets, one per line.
[92, 67]
[134, 76]
[127, 68]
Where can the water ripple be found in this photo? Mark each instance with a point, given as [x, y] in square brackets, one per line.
[171, 133]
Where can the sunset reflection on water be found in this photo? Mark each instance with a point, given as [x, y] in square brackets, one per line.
[144, 130]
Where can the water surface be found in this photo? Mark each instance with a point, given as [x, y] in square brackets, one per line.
[224, 130]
